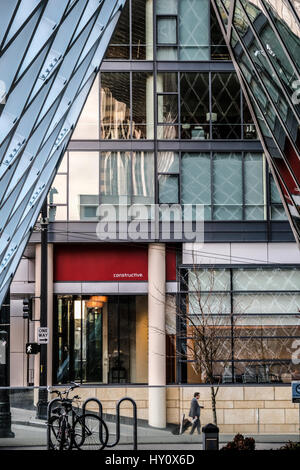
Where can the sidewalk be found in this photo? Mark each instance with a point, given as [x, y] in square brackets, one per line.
[30, 431]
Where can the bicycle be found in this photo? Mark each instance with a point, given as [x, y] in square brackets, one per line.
[87, 431]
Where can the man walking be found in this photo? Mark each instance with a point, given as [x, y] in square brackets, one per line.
[195, 413]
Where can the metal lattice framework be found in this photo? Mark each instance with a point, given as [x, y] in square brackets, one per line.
[50, 53]
[263, 37]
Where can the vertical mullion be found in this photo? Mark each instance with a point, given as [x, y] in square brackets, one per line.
[179, 106]
[210, 104]
[211, 185]
[242, 113]
[130, 101]
[232, 325]
[130, 29]
[243, 186]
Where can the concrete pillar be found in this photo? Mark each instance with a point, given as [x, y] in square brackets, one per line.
[157, 334]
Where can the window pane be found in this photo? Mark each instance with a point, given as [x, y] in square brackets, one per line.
[142, 178]
[57, 213]
[142, 105]
[194, 105]
[266, 303]
[254, 187]
[88, 124]
[167, 82]
[227, 189]
[80, 164]
[249, 126]
[167, 132]
[166, 7]
[209, 280]
[115, 105]
[166, 30]
[167, 108]
[277, 208]
[115, 177]
[219, 49]
[119, 43]
[168, 162]
[206, 303]
[226, 107]
[195, 180]
[168, 189]
[58, 191]
[266, 279]
[166, 53]
[142, 30]
[194, 29]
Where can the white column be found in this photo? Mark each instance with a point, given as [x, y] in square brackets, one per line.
[157, 335]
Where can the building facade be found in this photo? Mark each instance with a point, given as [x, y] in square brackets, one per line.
[166, 125]
[263, 37]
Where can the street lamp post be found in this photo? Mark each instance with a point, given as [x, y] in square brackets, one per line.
[43, 395]
[5, 414]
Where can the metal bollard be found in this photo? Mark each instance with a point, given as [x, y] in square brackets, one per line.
[210, 437]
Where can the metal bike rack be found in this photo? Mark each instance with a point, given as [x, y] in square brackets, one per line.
[118, 422]
[100, 414]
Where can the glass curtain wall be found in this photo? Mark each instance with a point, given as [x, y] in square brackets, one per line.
[231, 186]
[258, 308]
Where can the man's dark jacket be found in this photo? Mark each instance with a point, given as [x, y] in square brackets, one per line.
[195, 408]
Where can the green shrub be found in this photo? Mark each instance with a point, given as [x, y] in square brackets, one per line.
[291, 446]
[240, 443]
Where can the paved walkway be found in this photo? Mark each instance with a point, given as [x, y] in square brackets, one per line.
[31, 432]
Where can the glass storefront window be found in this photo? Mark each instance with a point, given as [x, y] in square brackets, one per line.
[103, 343]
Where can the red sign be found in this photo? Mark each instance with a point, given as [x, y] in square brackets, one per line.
[87, 263]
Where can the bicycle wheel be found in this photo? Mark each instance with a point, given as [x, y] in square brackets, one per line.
[90, 433]
[60, 434]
